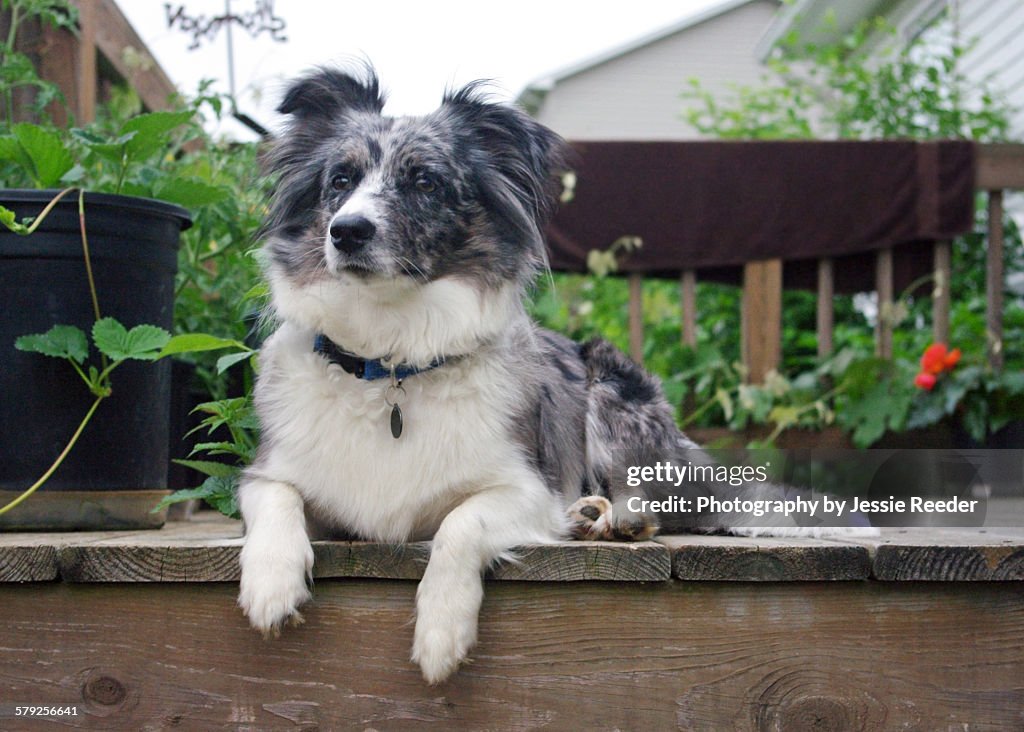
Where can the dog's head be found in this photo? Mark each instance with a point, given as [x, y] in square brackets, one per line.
[462, 193]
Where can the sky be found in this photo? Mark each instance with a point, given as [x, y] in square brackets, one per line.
[418, 48]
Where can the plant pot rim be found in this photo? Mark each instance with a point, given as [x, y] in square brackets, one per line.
[139, 204]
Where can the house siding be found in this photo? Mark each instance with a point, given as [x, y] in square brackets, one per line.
[636, 96]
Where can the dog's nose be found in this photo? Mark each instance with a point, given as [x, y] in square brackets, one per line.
[349, 234]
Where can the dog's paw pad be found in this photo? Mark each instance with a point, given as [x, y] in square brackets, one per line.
[634, 529]
[591, 518]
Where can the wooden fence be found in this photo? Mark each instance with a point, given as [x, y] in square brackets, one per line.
[1000, 167]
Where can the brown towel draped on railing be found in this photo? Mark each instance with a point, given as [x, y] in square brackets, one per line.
[713, 206]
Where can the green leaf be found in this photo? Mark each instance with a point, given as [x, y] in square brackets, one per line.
[190, 192]
[217, 491]
[11, 149]
[257, 292]
[196, 342]
[226, 362]
[142, 343]
[975, 420]
[209, 467]
[50, 158]
[9, 219]
[61, 341]
[111, 148]
[151, 132]
[186, 494]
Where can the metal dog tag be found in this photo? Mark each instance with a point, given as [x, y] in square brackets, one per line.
[396, 421]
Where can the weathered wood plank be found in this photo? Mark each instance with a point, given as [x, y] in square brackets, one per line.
[561, 562]
[28, 564]
[695, 656]
[99, 563]
[207, 551]
[733, 558]
[946, 555]
[645, 561]
[564, 562]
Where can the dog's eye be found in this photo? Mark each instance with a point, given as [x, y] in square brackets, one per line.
[341, 182]
[425, 183]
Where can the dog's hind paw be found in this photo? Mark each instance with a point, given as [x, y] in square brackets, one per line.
[592, 518]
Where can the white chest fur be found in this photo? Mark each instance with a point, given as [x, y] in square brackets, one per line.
[328, 433]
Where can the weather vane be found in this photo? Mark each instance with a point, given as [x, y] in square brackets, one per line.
[261, 19]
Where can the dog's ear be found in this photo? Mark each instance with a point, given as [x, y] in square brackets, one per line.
[326, 92]
[517, 159]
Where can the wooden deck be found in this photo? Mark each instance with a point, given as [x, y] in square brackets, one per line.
[917, 629]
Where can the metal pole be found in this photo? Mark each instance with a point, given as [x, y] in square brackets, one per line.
[231, 55]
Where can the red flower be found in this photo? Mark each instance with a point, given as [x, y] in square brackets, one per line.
[924, 380]
[937, 358]
[933, 361]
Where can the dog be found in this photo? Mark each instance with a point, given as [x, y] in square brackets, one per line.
[406, 394]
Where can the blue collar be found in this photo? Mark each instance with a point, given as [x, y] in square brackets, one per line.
[369, 369]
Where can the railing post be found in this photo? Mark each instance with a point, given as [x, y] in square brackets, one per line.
[884, 288]
[826, 307]
[688, 298]
[636, 318]
[761, 321]
[994, 280]
[941, 291]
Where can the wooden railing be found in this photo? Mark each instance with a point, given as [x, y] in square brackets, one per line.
[1000, 167]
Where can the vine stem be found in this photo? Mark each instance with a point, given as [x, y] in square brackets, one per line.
[106, 369]
[60, 458]
[85, 251]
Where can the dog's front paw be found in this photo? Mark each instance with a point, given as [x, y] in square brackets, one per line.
[446, 621]
[439, 648]
[274, 583]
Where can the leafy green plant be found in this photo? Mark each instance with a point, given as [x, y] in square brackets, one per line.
[115, 345]
[164, 155]
[219, 489]
[866, 85]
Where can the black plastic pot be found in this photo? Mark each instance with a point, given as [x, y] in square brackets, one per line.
[118, 469]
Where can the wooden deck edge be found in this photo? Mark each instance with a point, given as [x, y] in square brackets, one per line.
[592, 655]
[208, 552]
